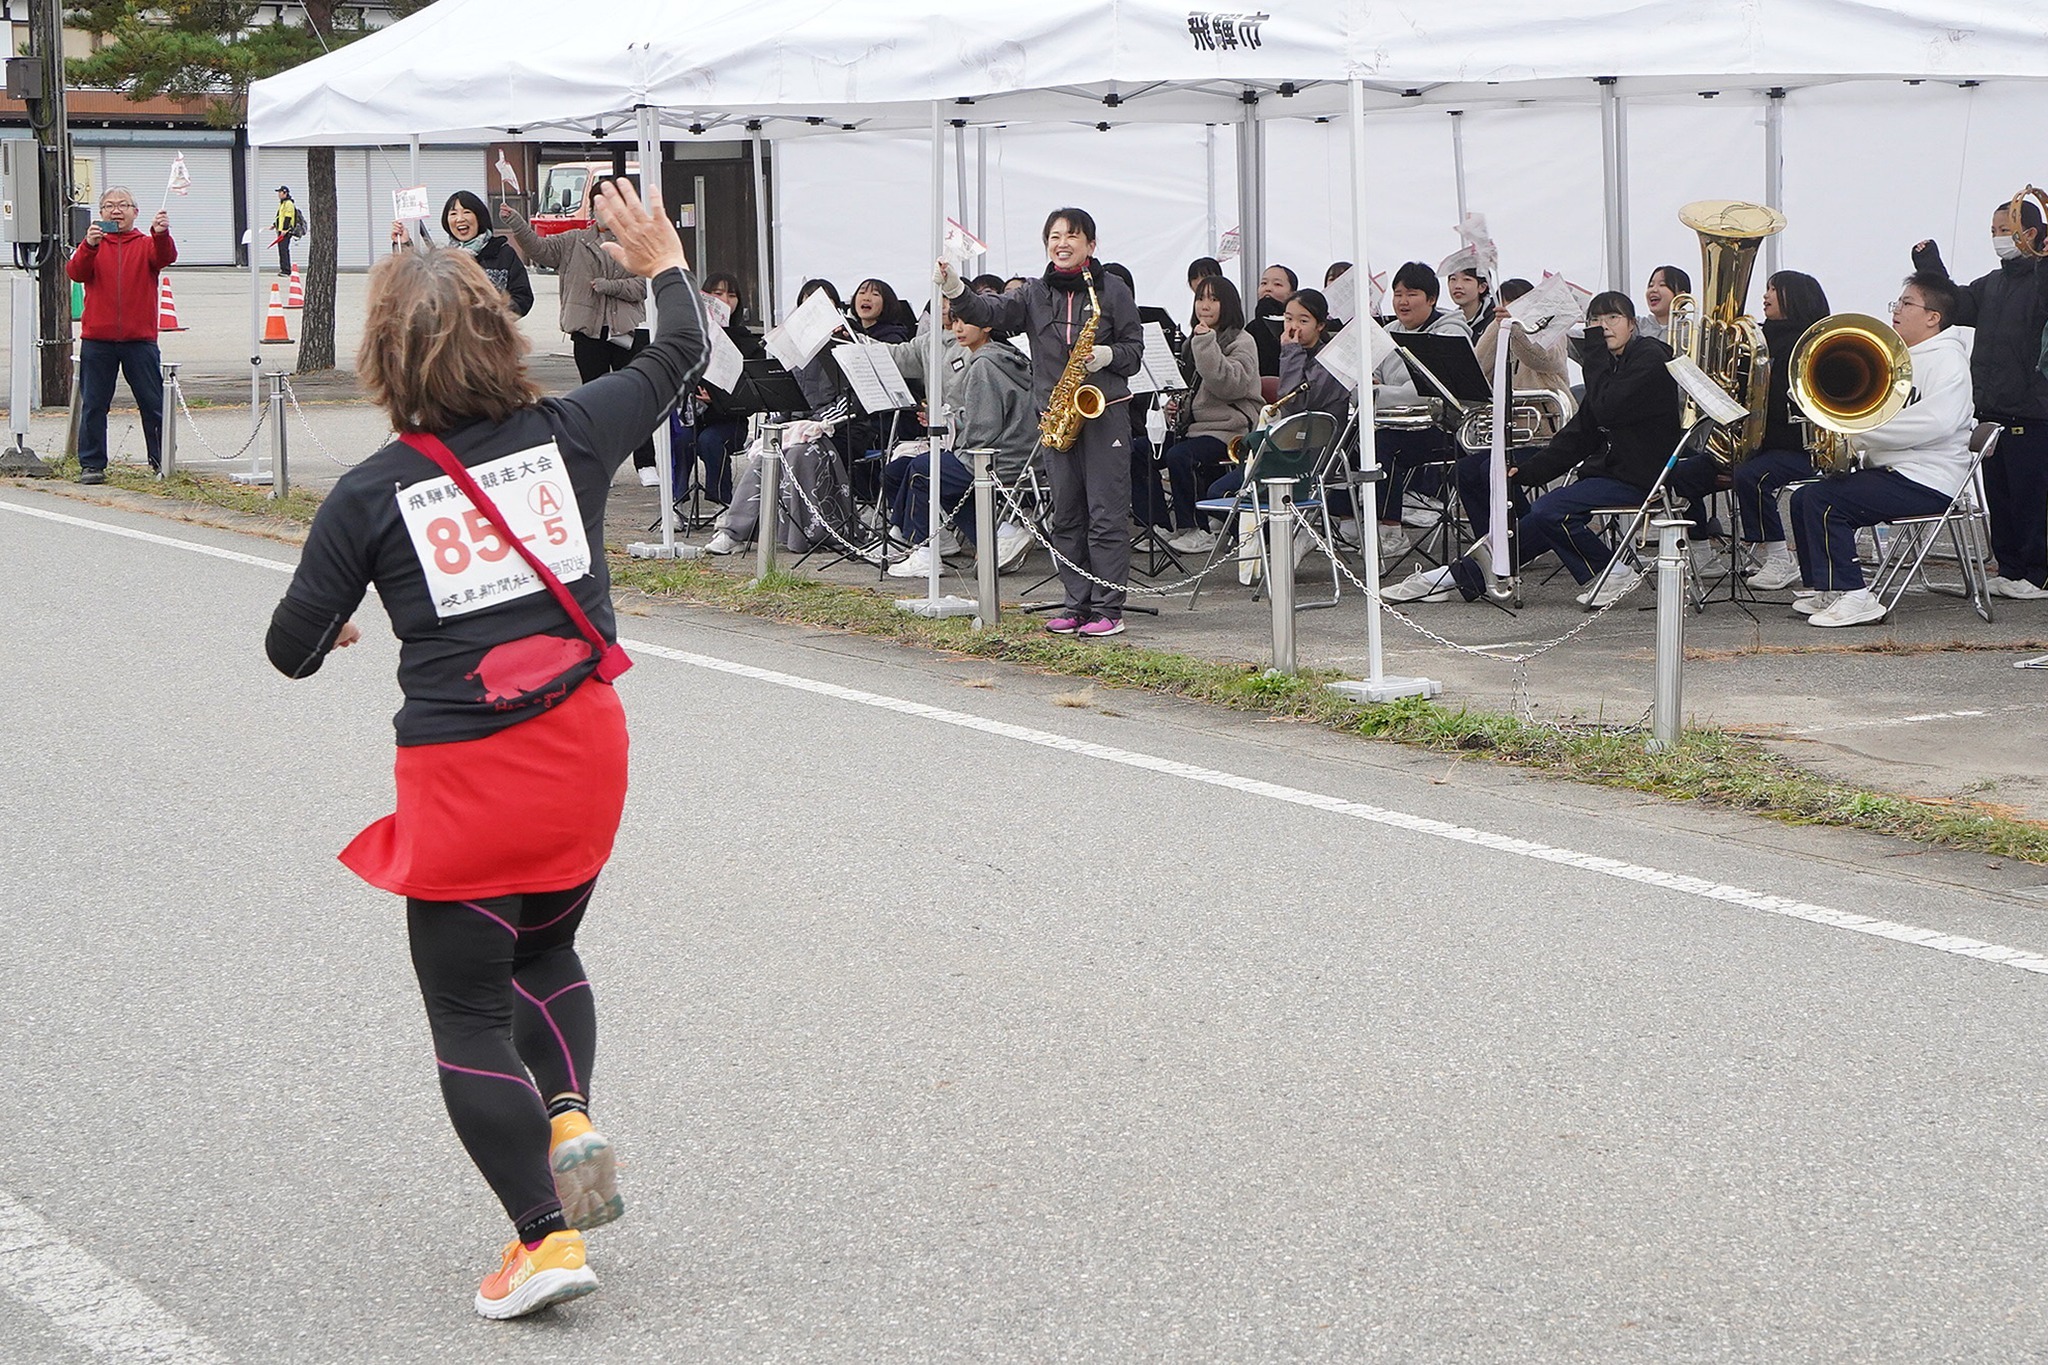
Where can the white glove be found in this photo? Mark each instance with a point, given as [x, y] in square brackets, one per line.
[948, 280]
[1099, 357]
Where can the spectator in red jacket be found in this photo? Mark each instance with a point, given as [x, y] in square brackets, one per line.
[119, 267]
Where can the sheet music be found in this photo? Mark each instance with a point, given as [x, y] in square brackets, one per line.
[718, 309]
[805, 332]
[723, 369]
[1160, 371]
[878, 385]
[1557, 298]
[1341, 356]
[1342, 295]
[1708, 396]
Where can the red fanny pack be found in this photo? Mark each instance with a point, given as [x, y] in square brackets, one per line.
[611, 660]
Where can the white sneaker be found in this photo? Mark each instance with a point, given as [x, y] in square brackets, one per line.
[1195, 541]
[2019, 589]
[1347, 531]
[884, 551]
[1810, 601]
[1424, 585]
[949, 544]
[1774, 573]
[1421, 511]
[1013, 546]
[1859, 607]
[1394, 541]
[916, 564]
[1617, 586]
[723, 544]
[650, 477]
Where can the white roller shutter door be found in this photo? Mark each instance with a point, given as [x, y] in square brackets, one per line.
[202, 220]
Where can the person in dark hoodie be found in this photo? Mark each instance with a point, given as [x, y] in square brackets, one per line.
[2009, 309]
[467, 221]
[1091, 480]
[1620, 439]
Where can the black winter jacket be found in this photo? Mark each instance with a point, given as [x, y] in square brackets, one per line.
[1624, 429]
[2008, 307]
[1050, 319]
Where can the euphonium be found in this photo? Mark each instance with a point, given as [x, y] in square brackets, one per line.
[1074, 400]
[1712, 328]
[1850, 372]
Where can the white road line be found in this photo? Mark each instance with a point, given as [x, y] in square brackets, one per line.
[113, 530]
[1884, 723]
[1762, 901]
[90, 1304]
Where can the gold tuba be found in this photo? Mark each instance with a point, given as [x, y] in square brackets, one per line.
[2026, 244]
[1234, 452]
[1712, 328]
[1074, 400]
[1850, 372]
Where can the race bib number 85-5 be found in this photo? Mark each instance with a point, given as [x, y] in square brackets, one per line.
[466, 561]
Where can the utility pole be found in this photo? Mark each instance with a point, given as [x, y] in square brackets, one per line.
[53, 140]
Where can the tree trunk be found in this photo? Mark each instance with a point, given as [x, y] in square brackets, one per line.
[316, 337]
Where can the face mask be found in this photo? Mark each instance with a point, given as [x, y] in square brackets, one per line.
[2005, 248]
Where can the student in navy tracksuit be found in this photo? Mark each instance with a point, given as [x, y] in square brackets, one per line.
[1091, 481]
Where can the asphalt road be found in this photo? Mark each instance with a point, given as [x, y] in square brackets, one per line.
[956, 1013]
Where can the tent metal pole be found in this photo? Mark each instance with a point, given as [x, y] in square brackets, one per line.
[1377, 687]
[413, 163]
[253, 172]
[1614, 181]
[1458, 157]
[764, 284]
[1248, 263]
[934, 366]
[1774, 171]
[960, 170]
[664, 467]
[981, 183]
[1209, 150]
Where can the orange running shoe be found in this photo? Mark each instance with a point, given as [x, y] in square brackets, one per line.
[528, 1281]
[586, 1173]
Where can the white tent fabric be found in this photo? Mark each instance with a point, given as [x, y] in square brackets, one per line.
[476, 70]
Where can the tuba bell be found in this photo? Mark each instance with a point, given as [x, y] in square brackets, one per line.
[2019, 201]
[1850, 373]
[1711, 327]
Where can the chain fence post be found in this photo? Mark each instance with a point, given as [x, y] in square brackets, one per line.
[989, 607]
[168, 464]
[769, 529]
[280, 478]
[1279, 533]
[1664, 707]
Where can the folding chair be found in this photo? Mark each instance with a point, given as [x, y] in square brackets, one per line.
[1905, 552]
[1297, 448]
[1629, 523]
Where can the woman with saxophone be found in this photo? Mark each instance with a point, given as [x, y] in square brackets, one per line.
[1086, 342]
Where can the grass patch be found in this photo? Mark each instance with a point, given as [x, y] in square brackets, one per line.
[1706, 765]
[209, 490]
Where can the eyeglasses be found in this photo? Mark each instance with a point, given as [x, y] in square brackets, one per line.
[117, 203]
[1897, 304]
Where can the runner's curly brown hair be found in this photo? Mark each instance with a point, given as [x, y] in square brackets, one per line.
[441, 348]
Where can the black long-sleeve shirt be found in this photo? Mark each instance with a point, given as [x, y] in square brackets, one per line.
[1626, 426]
[482, 643]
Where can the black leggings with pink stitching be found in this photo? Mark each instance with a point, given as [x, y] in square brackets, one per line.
[515, 1031]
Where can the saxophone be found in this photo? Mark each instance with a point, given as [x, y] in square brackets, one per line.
[1073, 400]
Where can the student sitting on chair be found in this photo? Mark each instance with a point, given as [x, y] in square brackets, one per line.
[1620, 438]
[1913, 465]
[1224, 402]
[1415, 293]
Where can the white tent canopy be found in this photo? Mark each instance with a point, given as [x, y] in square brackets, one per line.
[481, 70]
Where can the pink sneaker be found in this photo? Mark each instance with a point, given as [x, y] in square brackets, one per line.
[1103, 625]
[1064, 624]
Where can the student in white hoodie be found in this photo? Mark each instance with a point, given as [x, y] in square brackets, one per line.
[1913, 465]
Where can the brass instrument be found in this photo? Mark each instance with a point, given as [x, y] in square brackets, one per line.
[1418, 416]
[1534, 415]
[1711, 327]
[2019, 200]
[1074, 400]
[1234, 452]
[1850, 372]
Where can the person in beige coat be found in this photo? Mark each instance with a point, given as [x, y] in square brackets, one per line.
[603, 304]
[1222, 406]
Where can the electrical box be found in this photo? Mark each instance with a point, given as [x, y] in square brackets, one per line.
[25, 78]
[21, 190]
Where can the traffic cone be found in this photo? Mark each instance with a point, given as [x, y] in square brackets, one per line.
[166, 307]
[274, 332]
[295, 296]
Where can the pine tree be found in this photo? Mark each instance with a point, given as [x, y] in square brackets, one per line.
[213, 50]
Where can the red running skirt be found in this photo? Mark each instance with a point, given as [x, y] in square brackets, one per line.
[534, 807]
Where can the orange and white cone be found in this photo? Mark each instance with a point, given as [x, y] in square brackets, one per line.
[295, 296]
[166, 307]
[274, 331]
